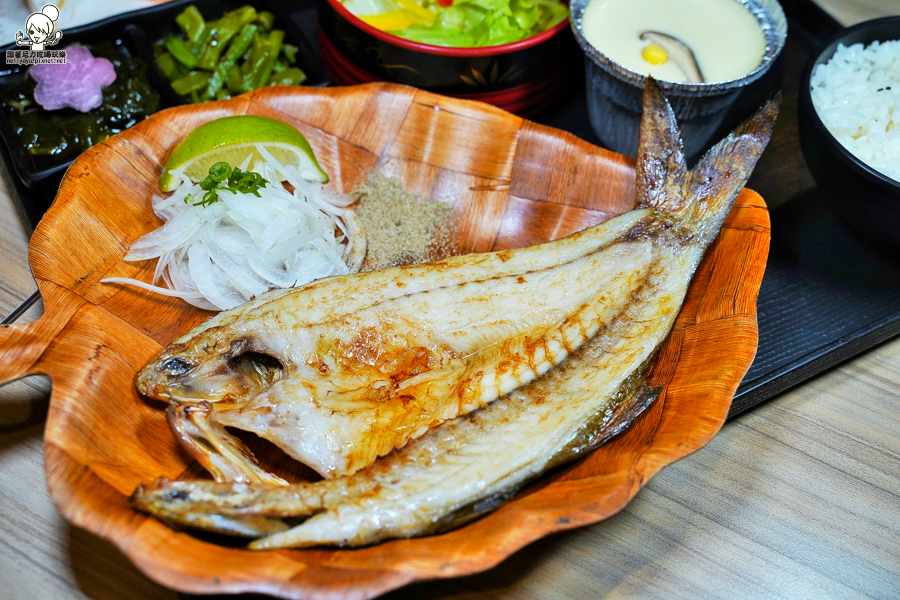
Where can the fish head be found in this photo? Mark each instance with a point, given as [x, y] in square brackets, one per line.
[213, 367]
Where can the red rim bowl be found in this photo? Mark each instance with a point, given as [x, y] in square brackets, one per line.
[525, 77]
[444, 50]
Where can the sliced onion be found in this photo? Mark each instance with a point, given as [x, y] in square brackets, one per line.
[211, 280]
[238, 276]
[153, 288]
[277, 275]
[310, 265]
[219, 256]
[307, 188]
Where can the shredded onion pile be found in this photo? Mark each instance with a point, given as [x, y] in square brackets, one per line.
[219, 256]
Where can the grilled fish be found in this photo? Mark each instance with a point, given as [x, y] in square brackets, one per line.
[472, 463]
[347, 369]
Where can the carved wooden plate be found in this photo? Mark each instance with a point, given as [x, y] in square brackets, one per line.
[511, 183]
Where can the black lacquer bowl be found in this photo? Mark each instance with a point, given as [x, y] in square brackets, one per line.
[525, 77]
[863, 198]
[615, 92]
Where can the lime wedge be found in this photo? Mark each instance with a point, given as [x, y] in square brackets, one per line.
[232, 140]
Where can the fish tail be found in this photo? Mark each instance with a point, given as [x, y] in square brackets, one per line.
[661, 168]
[704, 194]
[718, 178]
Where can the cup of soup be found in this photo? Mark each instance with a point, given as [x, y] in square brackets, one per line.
[702, 52]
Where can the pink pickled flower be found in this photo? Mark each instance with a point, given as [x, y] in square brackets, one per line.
[77, 83]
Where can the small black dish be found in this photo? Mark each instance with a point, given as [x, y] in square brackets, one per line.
[42, 174]
[158, 22]
[132, 35]
[863, 198]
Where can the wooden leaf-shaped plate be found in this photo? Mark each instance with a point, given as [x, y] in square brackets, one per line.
[511, 182]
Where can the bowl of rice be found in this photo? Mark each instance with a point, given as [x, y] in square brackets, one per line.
[849, 117]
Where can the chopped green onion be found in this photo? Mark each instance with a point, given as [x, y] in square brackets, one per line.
[222, 177]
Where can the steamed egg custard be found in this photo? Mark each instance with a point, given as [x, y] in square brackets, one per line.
[684, 41]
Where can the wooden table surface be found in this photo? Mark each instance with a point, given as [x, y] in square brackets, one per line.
[799, 498]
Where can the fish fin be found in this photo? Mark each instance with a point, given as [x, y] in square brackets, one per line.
[706, 192]
[625, 414]
[720, 175]
[661, 167]
[223, 455]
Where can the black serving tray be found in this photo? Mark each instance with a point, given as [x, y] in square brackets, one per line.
[826, 296]
[133, 35]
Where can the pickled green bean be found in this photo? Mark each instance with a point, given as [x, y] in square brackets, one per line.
[265, 20]
[234, 54]
[290, 53]
[292, 76]
[237, 49]
[263, 68]
[241, 43]
[168, 65]
[180, 51]
[194, 82]
[234, 81]
[220, 32]
[191, 23]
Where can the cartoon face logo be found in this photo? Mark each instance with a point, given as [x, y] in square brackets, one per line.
[40, 28]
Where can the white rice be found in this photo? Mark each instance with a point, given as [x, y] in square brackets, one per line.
[856, 95]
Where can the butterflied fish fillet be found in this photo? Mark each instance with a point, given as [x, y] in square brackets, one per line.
[345, 370]
[473, 463]
[341, 372]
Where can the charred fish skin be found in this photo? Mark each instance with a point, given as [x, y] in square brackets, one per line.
[454, 470]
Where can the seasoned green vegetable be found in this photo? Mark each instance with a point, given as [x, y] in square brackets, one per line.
[237, 53]
[292, 76]
[168, 65]
[219, 33]
[237, 49]
[65, 133]
[180, 51]
[191, 23]
[194, 82]
[266, 20]
[261, 71]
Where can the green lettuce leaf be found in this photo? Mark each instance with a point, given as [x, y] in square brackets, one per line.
[478, 23]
